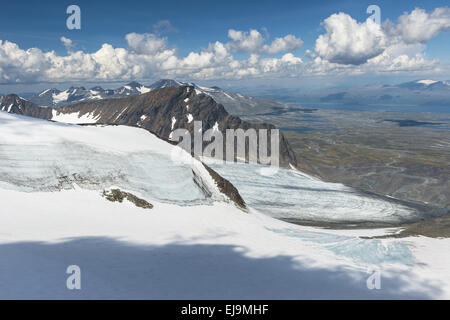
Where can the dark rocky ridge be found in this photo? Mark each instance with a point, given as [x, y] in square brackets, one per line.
[117, 195]
[226, 187]
[14, 104]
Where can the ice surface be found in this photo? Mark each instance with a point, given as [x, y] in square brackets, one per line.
[56, 157]
[364, 252]
[60, 166]
[288, 194]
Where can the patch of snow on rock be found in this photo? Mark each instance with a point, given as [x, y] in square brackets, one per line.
[174, 120]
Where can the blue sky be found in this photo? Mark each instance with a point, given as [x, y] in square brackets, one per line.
[193, 26]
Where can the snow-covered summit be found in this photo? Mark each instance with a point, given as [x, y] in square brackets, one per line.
[426, 82]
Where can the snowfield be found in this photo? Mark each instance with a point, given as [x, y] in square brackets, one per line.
[73, 118]
[189, 245]
[38, 155]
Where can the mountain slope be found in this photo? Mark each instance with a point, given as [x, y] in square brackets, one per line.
[54, 215]
[160, 111]
[234, 103]
[101, 157]
[12, 103]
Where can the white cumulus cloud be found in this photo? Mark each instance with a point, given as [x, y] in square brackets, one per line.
[246, 41]
[67, 43]
[347, 41]
[148, 56]
[146, 43]
[420, 26]
[254, 42]
[347, 47]
[287, 43]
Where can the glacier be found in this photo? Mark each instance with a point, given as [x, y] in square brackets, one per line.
[190, 245]
[53, 156]
[288, 194]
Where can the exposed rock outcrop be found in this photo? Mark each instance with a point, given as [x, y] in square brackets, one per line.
[12, 103]
[117, 195]
[227, 188]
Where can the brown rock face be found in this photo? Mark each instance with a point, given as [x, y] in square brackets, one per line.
[226, 187]
[14, 104]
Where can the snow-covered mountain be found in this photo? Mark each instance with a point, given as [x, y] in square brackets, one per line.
[160, 111]
[164, 110]
[54, 97]
[162, 83]
[426, 84]
[59, 209]
[234, 103]
[418, 92]
[130, 89]
[101, 158]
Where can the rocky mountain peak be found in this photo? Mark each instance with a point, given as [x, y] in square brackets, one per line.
[12, 103]
[133, 84]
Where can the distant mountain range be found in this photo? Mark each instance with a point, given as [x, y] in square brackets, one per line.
[53, 97]
[414, 93]
[234, 103]
[432, 85]
[421, 93]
